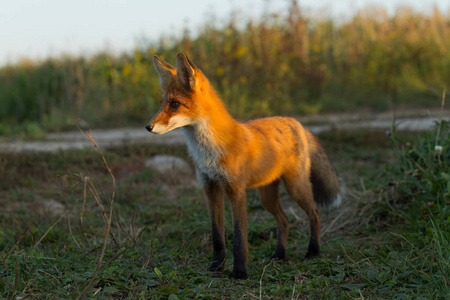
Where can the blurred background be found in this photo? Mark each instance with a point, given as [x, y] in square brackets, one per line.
[91, 60]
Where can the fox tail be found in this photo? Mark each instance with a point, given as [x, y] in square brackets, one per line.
[328, 187]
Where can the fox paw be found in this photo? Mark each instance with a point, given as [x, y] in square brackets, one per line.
[312, 254]
[239, 275]
[216, 267]
[278, 256]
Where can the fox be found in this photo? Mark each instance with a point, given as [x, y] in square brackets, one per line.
[231, 157]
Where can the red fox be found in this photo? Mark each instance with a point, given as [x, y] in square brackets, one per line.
[231, 157]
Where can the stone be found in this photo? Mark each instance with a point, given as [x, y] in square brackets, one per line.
[168, 164]
[175, 174]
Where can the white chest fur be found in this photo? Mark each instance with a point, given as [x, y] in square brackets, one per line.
[204, 151]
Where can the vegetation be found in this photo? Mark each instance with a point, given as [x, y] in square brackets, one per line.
[86, 223]
[390, 239]
[289, 64]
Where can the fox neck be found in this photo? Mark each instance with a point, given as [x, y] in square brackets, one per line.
[209, 138]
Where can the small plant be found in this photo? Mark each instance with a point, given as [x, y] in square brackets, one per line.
[421, 199]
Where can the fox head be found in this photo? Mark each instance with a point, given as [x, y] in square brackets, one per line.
[181, 87]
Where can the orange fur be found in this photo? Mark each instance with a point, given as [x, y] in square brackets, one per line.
[231, 157]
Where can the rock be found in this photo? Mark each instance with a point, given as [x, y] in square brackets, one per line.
[175, 173]
[38, 206]
[168, 164]
[52, 206]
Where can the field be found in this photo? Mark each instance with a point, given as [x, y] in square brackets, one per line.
[292, 63]
[97, 223]
[81, 223]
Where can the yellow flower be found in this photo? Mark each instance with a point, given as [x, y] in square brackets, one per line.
[284, 68]
[241, 51]
[126, 69]
[219, 71]
[392, 34]
[137, 55]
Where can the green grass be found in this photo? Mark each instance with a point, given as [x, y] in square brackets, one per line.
[385, 241]
[291, 63]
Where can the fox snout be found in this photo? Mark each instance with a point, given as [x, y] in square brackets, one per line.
[161, 124]
[149, 127]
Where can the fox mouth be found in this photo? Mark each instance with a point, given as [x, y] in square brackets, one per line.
[160, 129]
[174, 123]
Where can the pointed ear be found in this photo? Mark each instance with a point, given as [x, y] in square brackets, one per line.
[186, 72]
[166, 71]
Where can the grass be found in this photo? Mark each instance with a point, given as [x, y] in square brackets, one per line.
[386, 241]
[290, 63]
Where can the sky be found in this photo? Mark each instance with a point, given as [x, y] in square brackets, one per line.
[37, 29]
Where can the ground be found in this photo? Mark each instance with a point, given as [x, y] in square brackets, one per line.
[69, 227]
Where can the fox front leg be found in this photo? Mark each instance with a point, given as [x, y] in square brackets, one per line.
[216, 212]
[237, 198]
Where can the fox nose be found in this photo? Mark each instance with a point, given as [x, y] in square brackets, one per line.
[149, 127]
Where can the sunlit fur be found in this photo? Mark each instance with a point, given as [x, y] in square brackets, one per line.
[232, 156]
[174, 122]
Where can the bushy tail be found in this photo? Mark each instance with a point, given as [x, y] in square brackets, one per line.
[328, 187]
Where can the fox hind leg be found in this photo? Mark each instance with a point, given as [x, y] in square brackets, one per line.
[270, 199]
[300, 189]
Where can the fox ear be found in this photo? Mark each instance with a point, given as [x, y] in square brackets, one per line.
[186, 71]
[165, 71]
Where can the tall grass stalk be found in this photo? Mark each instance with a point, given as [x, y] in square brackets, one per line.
[107, 218]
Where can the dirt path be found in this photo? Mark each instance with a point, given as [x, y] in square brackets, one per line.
[114, 137]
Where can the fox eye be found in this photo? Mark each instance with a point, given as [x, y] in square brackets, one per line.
[174, 104]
